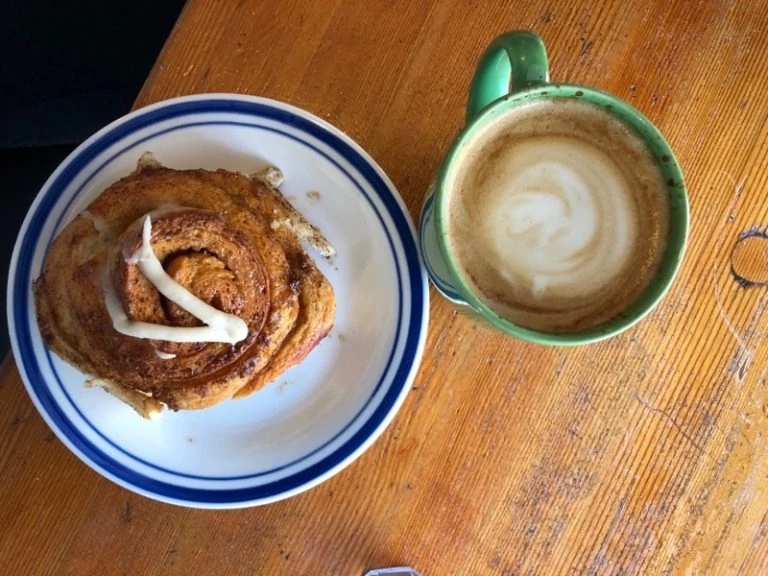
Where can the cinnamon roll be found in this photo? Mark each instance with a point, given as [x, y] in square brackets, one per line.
[182, 288]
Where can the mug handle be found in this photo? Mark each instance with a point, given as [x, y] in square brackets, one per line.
[513, 61]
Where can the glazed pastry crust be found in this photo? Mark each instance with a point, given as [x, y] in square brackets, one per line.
[233, 241]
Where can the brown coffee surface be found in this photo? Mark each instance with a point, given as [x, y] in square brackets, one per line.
[557, 215]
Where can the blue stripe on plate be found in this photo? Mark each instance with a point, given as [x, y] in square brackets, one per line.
[414, 285]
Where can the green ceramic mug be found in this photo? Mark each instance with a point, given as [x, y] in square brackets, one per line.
[513, 72]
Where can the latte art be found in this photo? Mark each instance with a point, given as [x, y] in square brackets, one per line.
[551, 224]
[557, 218]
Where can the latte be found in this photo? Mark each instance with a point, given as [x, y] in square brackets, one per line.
[556, 215]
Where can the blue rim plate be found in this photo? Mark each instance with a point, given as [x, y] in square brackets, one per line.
[319, 416]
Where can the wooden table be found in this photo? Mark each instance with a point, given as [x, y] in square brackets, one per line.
[645, 454]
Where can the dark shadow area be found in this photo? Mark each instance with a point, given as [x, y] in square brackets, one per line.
[68, 68]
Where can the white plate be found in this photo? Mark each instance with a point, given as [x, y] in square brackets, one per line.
[319, 416]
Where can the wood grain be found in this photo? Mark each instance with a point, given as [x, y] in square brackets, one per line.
[645, 454]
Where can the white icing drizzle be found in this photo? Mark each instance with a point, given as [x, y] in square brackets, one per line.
[156, 213]
[164, 355]
[220, 326]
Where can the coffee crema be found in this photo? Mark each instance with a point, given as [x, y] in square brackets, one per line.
[557, 215]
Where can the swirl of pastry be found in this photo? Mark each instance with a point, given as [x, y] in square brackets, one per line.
[182, 288]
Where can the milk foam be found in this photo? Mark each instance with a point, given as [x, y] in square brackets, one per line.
[558, 216]
[552, 216]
